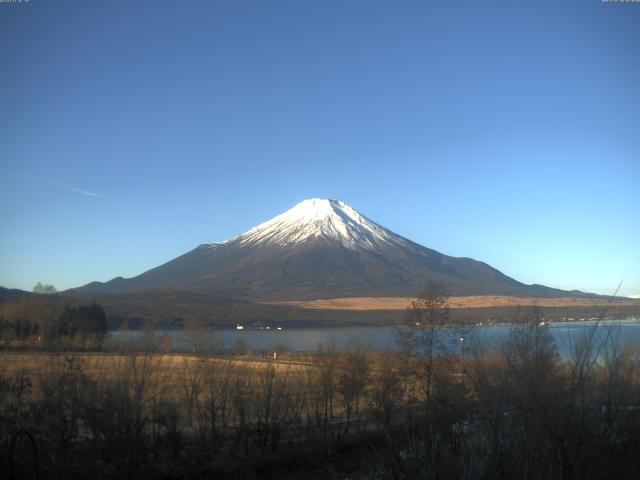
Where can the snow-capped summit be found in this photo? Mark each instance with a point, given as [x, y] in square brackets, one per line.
[319, 218]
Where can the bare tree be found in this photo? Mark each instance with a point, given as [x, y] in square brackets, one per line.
[190, 384]
[421, 335]
[241, 402]
[44, 289]
[213, 406]
[388, 384]
[354, 377]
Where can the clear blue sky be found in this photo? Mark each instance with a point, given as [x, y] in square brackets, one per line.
[132, 131]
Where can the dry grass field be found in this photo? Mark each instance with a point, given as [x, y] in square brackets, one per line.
[476, 301]
[104, 365]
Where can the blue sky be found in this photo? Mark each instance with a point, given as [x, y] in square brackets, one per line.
[130, 132]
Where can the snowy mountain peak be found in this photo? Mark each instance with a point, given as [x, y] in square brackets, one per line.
[320, 219]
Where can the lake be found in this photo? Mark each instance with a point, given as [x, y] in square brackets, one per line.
[310, 339]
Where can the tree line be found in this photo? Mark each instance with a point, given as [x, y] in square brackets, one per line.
[83, 326]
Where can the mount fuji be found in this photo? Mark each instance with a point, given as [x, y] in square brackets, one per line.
[320, 249]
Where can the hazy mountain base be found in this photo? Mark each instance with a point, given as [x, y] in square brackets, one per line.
[319, 269]
[178, 309]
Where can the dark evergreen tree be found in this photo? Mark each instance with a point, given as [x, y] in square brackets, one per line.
[84, 321]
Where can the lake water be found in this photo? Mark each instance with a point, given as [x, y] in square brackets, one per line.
[311, 339]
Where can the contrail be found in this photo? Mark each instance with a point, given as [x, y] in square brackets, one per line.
[71, 188]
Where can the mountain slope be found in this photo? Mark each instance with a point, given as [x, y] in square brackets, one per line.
[319, 249]
[9, 293]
